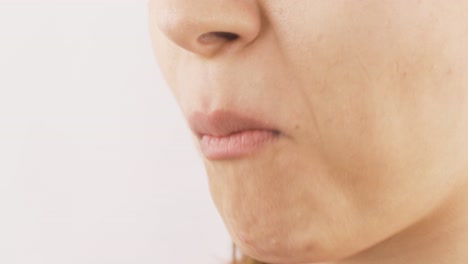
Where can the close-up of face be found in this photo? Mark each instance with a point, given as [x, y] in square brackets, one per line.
[326, 127]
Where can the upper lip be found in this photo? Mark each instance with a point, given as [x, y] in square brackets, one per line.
[225, 122]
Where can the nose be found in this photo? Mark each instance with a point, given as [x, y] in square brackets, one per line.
[207, 27]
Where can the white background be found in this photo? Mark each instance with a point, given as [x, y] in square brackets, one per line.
[96, 162]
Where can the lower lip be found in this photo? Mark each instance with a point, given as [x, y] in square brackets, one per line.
[236, 145]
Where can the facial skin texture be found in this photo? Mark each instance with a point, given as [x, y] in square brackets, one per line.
[372, 99]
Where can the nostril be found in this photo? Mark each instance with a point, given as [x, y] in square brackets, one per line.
[215, 36]
[226, 35]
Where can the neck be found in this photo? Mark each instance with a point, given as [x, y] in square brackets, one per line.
[442, 237]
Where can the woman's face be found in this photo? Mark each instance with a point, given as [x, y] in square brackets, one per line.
[369, 99]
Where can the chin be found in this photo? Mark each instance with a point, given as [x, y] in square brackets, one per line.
[283, 250]
[278, 255]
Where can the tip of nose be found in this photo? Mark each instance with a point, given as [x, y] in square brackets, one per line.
[226, 26]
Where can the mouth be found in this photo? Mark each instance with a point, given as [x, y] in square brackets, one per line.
[226, 134]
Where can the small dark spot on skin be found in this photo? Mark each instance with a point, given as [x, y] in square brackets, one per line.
[320, 38]
[280, 11]
[449, 71]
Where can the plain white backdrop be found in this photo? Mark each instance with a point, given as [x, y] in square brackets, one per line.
[96, 163]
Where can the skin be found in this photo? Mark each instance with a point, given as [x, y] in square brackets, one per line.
[371, 97]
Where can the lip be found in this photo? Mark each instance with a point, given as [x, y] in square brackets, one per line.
[225, 134]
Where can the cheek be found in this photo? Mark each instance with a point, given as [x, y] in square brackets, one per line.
[387, 85]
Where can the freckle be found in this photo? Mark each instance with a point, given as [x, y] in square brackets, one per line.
[449, 72]
[388, 22]
[280, 11]
[320, 38]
